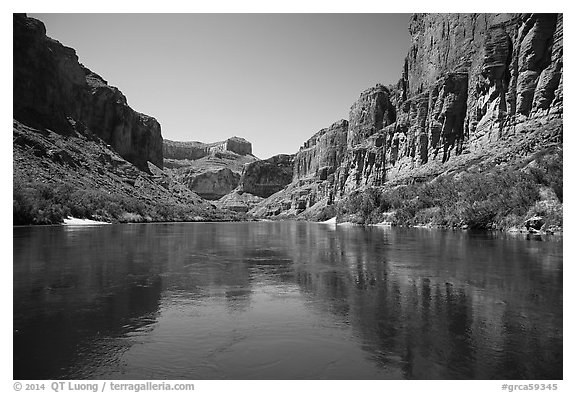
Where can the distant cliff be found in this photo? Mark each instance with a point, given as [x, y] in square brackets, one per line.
[211, 170]
[53, 90]
[195, 150]
[475, 88]
[260, 179]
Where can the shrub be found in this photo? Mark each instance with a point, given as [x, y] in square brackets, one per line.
[497, 198]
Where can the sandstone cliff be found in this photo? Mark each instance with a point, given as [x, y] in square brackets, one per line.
[195, 150]
[259, 180]
[52, 90]
[212, 170]
[471, 79]
[321, 155]
[475, 88]
[266, 177]
[57, 175]
[80, 150]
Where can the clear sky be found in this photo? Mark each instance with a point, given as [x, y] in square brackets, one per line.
[273, 79]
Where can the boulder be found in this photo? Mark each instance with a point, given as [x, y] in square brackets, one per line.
[534, 223]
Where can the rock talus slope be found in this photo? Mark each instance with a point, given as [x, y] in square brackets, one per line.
[79, 149]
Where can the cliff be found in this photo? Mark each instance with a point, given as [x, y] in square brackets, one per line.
[471, 79]
[322, 154]
[195, 150]
[52, 90]
[55, 176]
[266, 177]
[477, 91]
[80, 150]
[211, 170]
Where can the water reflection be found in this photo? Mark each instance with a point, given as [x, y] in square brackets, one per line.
[284, 300]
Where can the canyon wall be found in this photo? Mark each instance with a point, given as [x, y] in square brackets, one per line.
[52, 90]
[472, 86]
[266, 177]
[322, 154]
[195, 150]
[211, 170]
[471, 79]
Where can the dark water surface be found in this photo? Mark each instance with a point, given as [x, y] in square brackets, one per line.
[284, 300]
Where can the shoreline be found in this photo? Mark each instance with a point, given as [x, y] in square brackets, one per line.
[81, 222]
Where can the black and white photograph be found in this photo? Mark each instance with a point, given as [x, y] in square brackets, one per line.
[238, 196]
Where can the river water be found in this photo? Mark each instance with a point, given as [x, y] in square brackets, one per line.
[284, 300]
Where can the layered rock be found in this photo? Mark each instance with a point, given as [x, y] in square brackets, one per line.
[195, 150]
[473, 87]
[260, 179]
[322, 154]
[53, 90]
[337, 159]
[212, 170]
[472, 79]
[266, 177]
[364, 160]
[55, 175]
[211, 184]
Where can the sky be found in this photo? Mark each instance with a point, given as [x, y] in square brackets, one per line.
[273, 79]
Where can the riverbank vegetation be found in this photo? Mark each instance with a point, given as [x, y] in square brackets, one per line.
[499, 198]
[51, 203]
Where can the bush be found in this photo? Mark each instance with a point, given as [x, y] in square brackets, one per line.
[497, 198]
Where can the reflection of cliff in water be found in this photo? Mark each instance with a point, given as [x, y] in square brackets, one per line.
[79, 292]
[440, 304]
[65, 303]
[434, 304]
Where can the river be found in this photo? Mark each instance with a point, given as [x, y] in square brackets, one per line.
[284, 300]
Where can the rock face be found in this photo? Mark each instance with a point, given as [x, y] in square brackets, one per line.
[53, 90]
[471, 79]
[472, 85]
[56, 175]
[212, 170]
[195, 150]
[322, 154]
[266, 177]
[212, 184]
[364, 160]
[260, 179]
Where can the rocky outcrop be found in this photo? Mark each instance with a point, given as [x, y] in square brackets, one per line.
[260, 179]
[57, 175]
[266, 177]
[337, 159]
[364, 160]
[322, 154]
[212, 184]
[472, 79]
[238, 201]
[473, 87]
[212, 170]
[195, 150]
[52, 90]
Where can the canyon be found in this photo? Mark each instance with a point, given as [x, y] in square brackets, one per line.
[477, 93]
